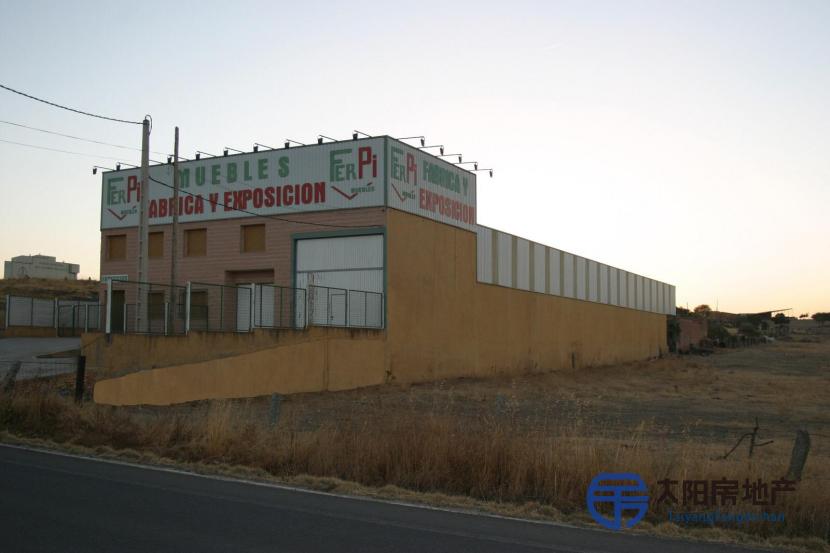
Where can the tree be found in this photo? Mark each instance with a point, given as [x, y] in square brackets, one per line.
[682, 310]
[780, 319]
[804, 316]
[821, 317]
[703, 309]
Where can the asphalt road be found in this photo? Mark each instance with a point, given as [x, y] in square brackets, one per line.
[61, 503]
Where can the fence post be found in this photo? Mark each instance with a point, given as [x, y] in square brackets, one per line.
[251, 308]
[187, 308]
[8, 310]
[55, 312]
[166, 314]
[86, 318]
[31, 311]
[80, 372]
[109, 307]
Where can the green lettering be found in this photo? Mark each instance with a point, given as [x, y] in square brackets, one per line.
[200, 176]
[215, 173]
[248, 171]
[262, 167]
[231, 170]
[283, 166]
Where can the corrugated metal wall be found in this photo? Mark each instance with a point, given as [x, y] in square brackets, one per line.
[508, 260]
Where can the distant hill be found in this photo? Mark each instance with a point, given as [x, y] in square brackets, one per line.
[47, 288]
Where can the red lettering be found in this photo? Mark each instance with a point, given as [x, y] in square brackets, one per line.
[188, 205]
[411, 168]
[200, 204]
[307, 193]
[153, 209]
[257, 198]
[269, 196]
[287, 197]
[319, 192]
[133, 186]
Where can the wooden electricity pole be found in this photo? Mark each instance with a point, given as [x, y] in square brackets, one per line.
[143, 231]
[174, 246]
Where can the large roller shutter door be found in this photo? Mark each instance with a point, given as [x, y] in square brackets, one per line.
[336, 271]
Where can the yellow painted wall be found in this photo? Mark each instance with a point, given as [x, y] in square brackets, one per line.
[337, 361]
[443, 323]
[127, 353]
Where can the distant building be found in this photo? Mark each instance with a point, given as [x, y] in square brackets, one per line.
[39, 266]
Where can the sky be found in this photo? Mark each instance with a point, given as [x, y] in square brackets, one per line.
[685, 141]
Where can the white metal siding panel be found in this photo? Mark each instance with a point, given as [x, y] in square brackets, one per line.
[593, 292]
[351, 252]
[555, 268]
[654, 304]
[351, 263]
[673, 304]
[613, 296]
[505, 261]
[570, 285]
[632, 294]
[646, 294]
[639, 292]
[539, 283]
[604, 277]
[556, 264]
[484, 254]
[522, 264]
[581, 292]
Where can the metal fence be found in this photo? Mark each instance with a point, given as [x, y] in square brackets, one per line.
[77, 316]
[221, 307]
[164, 312]
[210, 307]
[279, 306]
[51, 313]
[329, 306]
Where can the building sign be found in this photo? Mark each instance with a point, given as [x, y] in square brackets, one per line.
[431, 187]
[323, 177]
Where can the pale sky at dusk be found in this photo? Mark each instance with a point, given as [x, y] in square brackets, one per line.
[685, 141]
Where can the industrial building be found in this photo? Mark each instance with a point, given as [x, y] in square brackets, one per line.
[39, 266]
[344, 264]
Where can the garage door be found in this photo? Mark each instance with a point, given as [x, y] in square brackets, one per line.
[344, 280]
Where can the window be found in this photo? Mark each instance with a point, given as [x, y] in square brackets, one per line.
[155, 306]
[117, 247]
[195, 242]
[155, 246]
[253, 238]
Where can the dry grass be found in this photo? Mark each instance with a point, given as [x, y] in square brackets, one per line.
[490, 459]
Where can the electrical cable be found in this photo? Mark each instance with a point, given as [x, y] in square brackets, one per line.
[274, 217]
[78, 137]
[53, 104]
[59, 150]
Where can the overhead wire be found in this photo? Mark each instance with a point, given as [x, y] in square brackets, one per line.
[81, 112]
[59, 150]
[90, 140]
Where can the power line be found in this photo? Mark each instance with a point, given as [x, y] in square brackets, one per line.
[47, 102]
[58, 150]
[77, 137]
[274, 217]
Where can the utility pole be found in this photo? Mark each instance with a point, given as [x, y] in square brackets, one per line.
[174, 246]
[143, 230]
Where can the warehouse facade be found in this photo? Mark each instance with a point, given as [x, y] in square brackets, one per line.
[371, 234]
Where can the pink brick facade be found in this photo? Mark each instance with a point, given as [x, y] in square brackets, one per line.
[225, 263]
